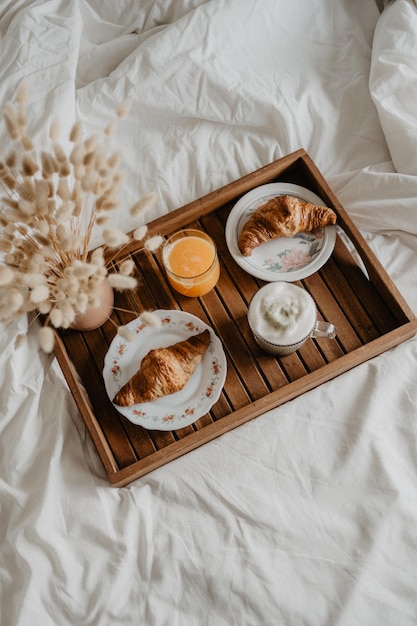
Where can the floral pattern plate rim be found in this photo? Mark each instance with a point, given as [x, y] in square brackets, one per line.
[283, 258]
[184, 407]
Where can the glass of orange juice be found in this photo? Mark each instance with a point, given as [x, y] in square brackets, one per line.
[191, 262]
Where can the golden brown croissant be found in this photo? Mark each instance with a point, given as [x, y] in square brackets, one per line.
[164, 371]
[282, 216]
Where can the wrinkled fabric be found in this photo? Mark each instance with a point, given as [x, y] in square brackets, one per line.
[306, 515]
[393, 82]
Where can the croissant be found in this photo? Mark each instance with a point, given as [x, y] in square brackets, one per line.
[282, 216]
[164, 371]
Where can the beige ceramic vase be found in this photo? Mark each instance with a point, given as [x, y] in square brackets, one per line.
[95, 316]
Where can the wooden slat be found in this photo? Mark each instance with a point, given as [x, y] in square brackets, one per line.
[107, 416]
[371, 300]
[347, 334]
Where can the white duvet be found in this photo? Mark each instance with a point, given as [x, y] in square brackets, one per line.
[307, 515]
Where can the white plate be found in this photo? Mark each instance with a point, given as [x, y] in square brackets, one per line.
[283, 258]
[177, 409]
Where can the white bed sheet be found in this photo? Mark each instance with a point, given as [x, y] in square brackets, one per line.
[308, 514]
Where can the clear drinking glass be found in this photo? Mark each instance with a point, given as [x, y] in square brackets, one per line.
[191, 262]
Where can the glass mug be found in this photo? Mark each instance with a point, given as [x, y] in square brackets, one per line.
[191, 262]
[282, 316]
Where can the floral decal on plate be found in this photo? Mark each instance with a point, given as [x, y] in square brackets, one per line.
[121, 345]
[192, 404]
[291, 259]
[115, 369]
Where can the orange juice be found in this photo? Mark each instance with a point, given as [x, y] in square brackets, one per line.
[191, 262]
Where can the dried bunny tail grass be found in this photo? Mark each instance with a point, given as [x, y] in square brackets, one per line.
[8, 181]
[118, 179]
[4, 218]
[126, 267]
[12, 300]
[102, 186]
[39, 294]
[119, 282]
[11, 159]
[71, 243]
[41, 190]
[100, 164]
[63, 190]
[27, 143]
[125, 333]
[43, 227]
[12, 124]
[88, 182]
[32, 279]
[111, 128]
[56, 317]
[65, 211]
[37, 263]
[27, 189]
[21, 117]
[59, 152]
[6, 276]
[90, 160]
[27, 208]
[150, 319]
[61, 232]
[102, 220]
[48, 252]
[140, 233]
[64, 169]
[54, 130]
[29, 166]
[11, 229]
[46, 339]
[22, 93]
[44, 307]
[46, 263]
[114, 160]
[77, 155]
[97, 257]
[68, 313]
[5, 246]
[92, 142]
[153, 243]
[114, 238]
[24, 245]
[76, 132]
[49, 165]
[82, 270]
[124, 109]
[108, 205]
[81, 302]
[142, 206]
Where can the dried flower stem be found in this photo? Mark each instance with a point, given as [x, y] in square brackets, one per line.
[51, 204]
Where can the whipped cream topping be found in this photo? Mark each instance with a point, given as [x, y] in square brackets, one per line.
[282, 313]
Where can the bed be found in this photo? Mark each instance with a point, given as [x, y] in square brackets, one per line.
[306, 514]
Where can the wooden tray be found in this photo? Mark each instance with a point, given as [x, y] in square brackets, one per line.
[370, 314]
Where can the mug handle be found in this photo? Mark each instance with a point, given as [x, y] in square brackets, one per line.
[324, 329]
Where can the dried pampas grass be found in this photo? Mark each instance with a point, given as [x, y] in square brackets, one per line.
[150, 319]
[46, 339]
[52, 201]
[126, 333]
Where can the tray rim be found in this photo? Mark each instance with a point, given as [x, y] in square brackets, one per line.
[119, 477]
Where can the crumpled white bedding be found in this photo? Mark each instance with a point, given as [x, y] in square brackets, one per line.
[306, 515]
